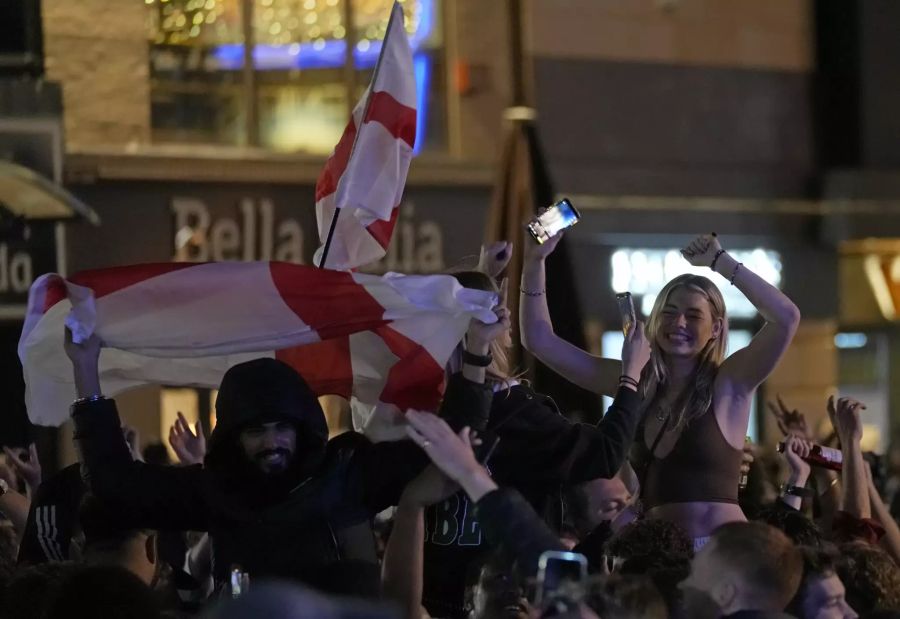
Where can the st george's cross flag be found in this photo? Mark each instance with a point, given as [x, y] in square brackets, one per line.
[375, 340]
[365, 175]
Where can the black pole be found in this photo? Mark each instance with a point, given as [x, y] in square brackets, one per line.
[330, 236]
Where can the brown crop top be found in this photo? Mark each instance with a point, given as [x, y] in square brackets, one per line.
[701, 467]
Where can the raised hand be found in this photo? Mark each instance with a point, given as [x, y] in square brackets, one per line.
[481, 334]
[702, 250]
[452, 453]
[85, 358]
[26, 465]
[795, 450]
[789, 421]
[188, 445]
[535, 251]
[86, 353]
[635, 351]
[845, 418]
[495, 257]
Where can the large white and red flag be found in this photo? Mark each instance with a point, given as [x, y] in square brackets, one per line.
[377, 341]
[366, 173]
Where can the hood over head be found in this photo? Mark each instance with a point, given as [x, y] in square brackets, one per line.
[262, 391]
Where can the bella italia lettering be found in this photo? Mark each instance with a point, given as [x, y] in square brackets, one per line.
[417, 247]
[15, 270]
[254, 236]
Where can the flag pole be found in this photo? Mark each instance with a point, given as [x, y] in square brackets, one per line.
[337, 211]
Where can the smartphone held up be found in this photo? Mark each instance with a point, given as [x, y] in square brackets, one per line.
[561, 575]
[558, 217]
[626, 309]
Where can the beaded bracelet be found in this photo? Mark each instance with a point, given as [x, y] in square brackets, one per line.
[734, 274]
[532, 293]
[712, 267]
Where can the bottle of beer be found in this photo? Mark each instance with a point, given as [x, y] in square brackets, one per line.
[826, 457]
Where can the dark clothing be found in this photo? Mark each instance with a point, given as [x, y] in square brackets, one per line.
[57, 516]
[53, 518]
[318, 531]
[702, 466]
[539, 451]
[511, 525]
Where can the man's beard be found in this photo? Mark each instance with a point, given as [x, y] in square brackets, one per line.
[273, 469]
[273, 483]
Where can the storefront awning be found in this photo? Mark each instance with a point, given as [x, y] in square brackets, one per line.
[28, 195]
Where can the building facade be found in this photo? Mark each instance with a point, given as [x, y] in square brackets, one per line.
[196, 130]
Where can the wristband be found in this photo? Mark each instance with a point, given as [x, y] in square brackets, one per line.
[624, 378]
[481, 361]
[712, 267]
[87, 400]
[791, 490]
[532, 293]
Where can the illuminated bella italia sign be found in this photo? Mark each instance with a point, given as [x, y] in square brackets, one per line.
[644, 272]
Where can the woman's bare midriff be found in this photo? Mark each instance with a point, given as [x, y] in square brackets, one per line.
[699, 519]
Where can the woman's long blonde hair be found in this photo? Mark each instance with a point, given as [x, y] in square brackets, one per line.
[697, 399]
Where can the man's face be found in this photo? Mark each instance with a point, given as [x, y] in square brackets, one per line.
[824, 599]
[606, 499]
[270, 446]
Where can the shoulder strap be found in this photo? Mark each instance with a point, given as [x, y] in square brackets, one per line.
[652, 454]
[659, 435]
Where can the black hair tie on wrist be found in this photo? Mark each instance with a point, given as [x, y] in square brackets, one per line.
[481, 361]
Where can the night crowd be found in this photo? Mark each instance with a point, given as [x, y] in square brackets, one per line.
[496, 505]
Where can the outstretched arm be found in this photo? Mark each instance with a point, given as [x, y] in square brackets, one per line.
[845, 419]
[579, 452]
[750, 366]
[795, 449]
[156, 497]
[880, 512]
[578, 366]
[403, 565]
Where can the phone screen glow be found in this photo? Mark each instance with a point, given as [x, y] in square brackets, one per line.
[559, 217]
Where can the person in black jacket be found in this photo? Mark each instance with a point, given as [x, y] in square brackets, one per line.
[278, 498]
[510, 524]
[538, 452]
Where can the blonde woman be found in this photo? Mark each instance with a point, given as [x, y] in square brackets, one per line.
[696, 403]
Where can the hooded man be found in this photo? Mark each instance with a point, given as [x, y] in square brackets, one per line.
[278, 498]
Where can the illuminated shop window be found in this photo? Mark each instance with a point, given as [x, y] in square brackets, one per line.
[644, 272]
[305, 81]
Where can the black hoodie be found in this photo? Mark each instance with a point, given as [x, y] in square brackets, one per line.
[316, 529]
